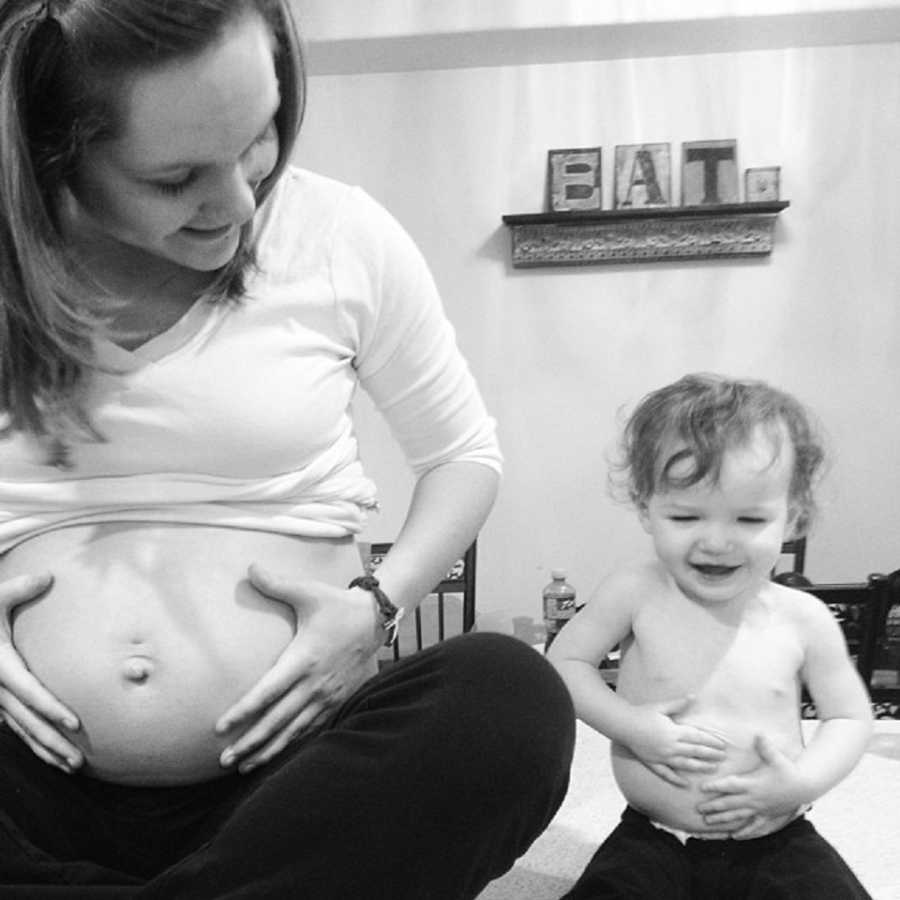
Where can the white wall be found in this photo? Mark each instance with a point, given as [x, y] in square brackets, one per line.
[559, 352]
[366, 20]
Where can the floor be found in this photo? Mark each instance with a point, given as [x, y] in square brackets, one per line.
[860, 817]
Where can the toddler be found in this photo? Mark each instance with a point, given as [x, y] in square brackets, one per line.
[707, 746]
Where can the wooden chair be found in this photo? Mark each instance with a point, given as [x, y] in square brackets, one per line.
[448, 610]
[796, 550]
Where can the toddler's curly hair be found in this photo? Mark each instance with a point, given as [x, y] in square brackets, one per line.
[703, 415]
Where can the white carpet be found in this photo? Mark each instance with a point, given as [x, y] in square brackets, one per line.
[860, 817]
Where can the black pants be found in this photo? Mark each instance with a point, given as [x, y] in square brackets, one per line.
[639, 860]
[432, 779]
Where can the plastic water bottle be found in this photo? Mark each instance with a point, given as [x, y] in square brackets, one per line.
[559, 605]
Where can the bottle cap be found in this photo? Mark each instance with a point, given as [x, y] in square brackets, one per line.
[558, 574]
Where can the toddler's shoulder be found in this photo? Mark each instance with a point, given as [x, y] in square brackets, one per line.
[635, 582]
[799, 606]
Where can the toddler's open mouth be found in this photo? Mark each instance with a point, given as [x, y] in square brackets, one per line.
[714, 571]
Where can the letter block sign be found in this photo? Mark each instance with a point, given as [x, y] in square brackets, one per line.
[709, 173]
[762, 184]
[574, 179]
[642, 176]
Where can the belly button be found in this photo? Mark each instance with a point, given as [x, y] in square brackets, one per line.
[138, 669]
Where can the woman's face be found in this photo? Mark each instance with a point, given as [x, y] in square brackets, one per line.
[197, 136]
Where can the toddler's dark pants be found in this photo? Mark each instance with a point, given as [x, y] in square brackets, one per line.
[639, 860]
[431, 780]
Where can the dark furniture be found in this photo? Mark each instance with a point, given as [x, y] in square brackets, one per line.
[861, 609]
[869, 615]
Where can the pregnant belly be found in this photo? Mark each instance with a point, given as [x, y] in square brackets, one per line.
[149, 633]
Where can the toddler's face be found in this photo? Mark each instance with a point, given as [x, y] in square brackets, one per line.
[720, 541]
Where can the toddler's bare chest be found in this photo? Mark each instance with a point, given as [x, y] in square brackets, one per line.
[755, 658]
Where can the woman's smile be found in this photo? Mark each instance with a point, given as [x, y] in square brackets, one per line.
[208, 234]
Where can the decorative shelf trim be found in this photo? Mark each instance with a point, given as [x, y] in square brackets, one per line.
[643, 235]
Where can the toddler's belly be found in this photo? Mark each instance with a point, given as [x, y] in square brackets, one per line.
[676, 807]
[150, 633]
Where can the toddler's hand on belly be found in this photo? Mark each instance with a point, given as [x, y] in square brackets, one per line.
[671, 750]
[329, 657]
[756, 802]
[26, 706]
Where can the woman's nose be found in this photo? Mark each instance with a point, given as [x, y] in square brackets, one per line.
[234, 198]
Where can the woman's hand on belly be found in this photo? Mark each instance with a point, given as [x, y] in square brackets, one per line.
[29, 709]
[330, 656]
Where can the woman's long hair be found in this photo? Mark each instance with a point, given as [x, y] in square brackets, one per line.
[61, 65]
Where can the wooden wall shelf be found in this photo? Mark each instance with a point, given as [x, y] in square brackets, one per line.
[643, 235]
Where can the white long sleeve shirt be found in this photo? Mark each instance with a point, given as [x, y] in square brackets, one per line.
[239, 414]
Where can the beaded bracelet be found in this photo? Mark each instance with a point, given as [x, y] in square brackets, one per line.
[390, 614]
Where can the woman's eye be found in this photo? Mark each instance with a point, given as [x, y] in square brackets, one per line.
[751, 520]
[174, 188]
[683, 518]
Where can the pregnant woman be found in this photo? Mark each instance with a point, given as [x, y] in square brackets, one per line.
[188, 685]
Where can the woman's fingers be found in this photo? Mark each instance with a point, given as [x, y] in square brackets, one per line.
[44, 740]
[289, 671]
[308, 720]
[38, 749]
[21, 589]
[39, 729]
[286, 719]
[274, 684]
[301, 594]
[326, 659]
[27, 707]
[27, 700]
[20, 684]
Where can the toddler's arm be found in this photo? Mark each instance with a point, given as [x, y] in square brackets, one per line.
[780, 786]
[647, 730]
